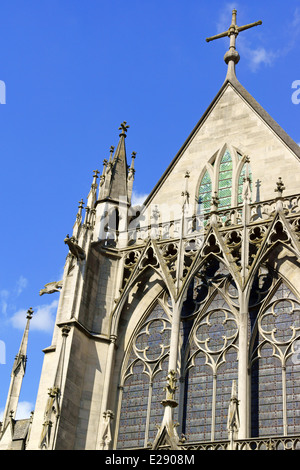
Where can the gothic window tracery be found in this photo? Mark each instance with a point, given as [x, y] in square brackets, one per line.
[142, 391]
[205, 193]
[210, 363]
[225, 181]
[229, 170]
[276, 366]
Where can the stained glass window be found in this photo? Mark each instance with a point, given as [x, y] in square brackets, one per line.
[241, 182]
[276, 367]
[142, 388]
[205, 193]
[211, 369]
[225, 181]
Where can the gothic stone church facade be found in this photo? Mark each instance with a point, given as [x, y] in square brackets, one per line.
[178, 328]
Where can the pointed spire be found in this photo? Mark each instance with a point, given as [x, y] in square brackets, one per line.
[111, 152]
[130, 177]
[78, 221]
[279, 199]
[233, 420]
[91, 200]
[232, 56]
[24, 342]
[117, 190]
[52, 411]
[17, 374]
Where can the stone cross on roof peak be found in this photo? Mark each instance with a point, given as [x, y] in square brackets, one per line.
[232, 56]
[123, 127]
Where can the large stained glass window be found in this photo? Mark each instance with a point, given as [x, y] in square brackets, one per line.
[276, 367]
[225, 181]
[143, 379]
[205, 193]
[210, 371]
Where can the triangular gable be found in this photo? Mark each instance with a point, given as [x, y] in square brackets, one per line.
[232, 82]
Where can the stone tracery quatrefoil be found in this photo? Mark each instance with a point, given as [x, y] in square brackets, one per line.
[281, 322]
[216, 331]
[153, 341]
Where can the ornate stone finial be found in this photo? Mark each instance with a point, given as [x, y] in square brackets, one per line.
[131, 169]
[186, 193]
[232, 56]
[170, 390]
[279, 187]
[123, 127]
[29, 314]
[95, 174]
[233, 420]
[215, 201]
[111, 152]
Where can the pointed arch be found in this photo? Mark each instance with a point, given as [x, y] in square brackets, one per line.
[225, 180]
[205, 193]
[275, 365]
[210, 366]
[144, 366]
[223, 174]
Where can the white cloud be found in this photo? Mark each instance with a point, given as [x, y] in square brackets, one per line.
[138, 199]
[42, 320]
[4, 294]
[224, 19]
[257, 56]
[24, 409]
[21, 284]
[7, 296]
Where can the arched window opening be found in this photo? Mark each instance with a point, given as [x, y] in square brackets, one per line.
[225, 181]
[205, 193]
[142, 390]
[210, 371]
[241, 182]
[275, 365]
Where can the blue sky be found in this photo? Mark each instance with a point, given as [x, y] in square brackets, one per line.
[73, 70]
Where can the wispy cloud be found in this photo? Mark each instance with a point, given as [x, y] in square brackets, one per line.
[4, 295]
[23, 410]
[257, 56]
[22, 283]
[43, 318]
[7, 296]
[224, 18]
[138, 199]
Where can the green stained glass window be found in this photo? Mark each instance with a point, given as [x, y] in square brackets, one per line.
[225, 181]
[205, 193]
[241, 180]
